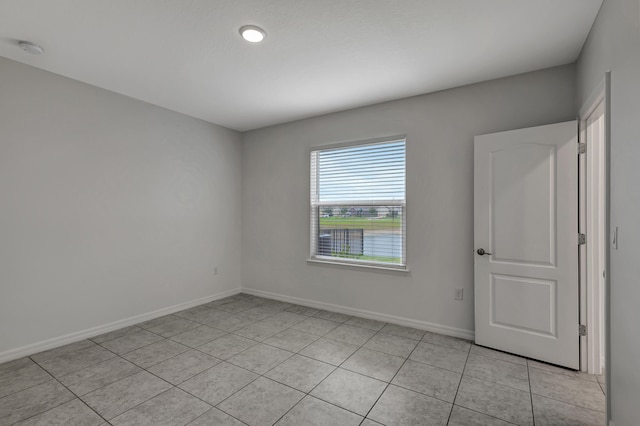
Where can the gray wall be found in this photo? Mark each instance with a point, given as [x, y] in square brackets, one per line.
[614, 44]
[110, 207]
[439, 129]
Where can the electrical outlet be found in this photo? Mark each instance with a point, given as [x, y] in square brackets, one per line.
[215, 270]
[459, 294]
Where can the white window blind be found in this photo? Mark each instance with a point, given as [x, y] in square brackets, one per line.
[358, 203]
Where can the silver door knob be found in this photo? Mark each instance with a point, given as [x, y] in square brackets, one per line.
[481, 252]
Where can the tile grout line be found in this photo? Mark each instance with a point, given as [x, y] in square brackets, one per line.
[579, 407]
[195, 349]
[263, 375]
[70, 391]
[167, 338]
[462, 375]
[254, 321]
[30, 387]
[294, 353]
[221, 361]
[335, 367]
[379, 331]
[259, 375]
[148, 399]
[232, 332]
[115, 356]
[500, 352]
[185, 391]
[551, 373]
[138, 366]
[567, 376]
[404, 362]
[533, 415]
[239, 313]
[487, 415]
[389, 382]
[406, 359]
[564, 376]
[126, 334]
[494, 382]
[453, 404]
[198, 398]
[67, 388]
[320, 382]
[177, 387]
[133, 350]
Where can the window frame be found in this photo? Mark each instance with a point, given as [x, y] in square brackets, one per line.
[315, 206]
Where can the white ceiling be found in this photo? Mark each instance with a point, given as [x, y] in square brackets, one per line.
[320, 56]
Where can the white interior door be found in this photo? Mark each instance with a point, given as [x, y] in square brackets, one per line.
[526, 221]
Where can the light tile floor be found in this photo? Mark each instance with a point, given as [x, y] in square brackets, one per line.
[254, 361]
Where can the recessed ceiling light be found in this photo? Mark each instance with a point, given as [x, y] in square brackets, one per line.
[32, 48]
[252, 33]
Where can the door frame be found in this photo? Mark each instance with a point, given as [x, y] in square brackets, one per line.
[600, 98]
[592, 223]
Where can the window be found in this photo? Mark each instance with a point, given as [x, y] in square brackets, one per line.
[358, 204]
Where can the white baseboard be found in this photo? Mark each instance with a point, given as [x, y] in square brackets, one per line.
[408, 322]
[44, 345]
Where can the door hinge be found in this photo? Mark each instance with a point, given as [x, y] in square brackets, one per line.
[582, 148]
[582, 330]
[582, 239]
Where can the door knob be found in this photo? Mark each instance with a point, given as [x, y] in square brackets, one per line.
[481, 252]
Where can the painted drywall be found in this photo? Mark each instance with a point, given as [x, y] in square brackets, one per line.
[614, 44]
[439, 128]
[109, 207]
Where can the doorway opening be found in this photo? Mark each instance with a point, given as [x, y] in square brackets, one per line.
[593, 223]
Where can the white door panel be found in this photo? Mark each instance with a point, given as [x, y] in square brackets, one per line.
[526, 219]
[522, 201]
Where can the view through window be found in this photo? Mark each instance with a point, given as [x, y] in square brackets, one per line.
[358, 203]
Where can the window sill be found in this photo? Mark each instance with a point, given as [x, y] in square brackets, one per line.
[353, 265]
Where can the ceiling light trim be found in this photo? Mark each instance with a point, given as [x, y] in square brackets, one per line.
[253, 33]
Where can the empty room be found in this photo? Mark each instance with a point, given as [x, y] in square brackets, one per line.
[295, 212]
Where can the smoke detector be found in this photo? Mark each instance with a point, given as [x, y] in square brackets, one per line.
[32, 48]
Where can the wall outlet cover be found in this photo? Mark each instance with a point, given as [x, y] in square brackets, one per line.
[459, 294]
